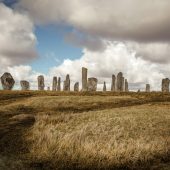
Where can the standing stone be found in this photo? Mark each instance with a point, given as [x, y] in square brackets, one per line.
[123, 84]
[64, 85]
[147, 88]
[54, 88]
[67, 83]
[126, 86]
[76, 87]
[48, 88]
[104, 87]
[41, 84]
[59, 84]
[25, 85]
[165, 85]
[120, 82]
[113, 88]
[92, 84]
[7, 81]
[84, 79]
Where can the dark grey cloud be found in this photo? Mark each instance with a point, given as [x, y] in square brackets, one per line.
[84, 40]
[133, 21]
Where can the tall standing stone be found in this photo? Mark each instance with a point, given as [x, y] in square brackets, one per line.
[25, 85]
[123, 84]
[54, 88]
[84, 79]
[147, 88]
[104, 87]
[92, 84]
[7, 81]
[113, 86]
[67, 83]
[41, 84]
[126, 86]
[59, 84]
[165, 85]
[120, 82]
[76, 87]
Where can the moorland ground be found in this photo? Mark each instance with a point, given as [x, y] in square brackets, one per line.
[58, 130]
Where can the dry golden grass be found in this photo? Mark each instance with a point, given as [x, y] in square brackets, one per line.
[108, 139]
[85, 130]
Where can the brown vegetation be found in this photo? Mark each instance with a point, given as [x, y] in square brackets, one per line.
[48, 130]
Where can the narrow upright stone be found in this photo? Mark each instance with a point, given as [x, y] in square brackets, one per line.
[92, 84]
[147, 88]
[59, 84]
[48, 88]
[41, 84]
[113, 86]
[64, 85]
[54, 84]
[104, 87]
[123, 84]
[165, 85]
[76, 87]
[120, 82]
[126, 86]
[67, 83]
[84, 79]
[25, 85]
[7, 81]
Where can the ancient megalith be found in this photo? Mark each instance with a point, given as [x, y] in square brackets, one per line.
[84, 79]
[7, 81]
[48, 88]
[120, 82]
[76, 87]
[66, 86]
[92, 84]
[165, 85]
[113, 86]
[126, 86]
[54, 87]
[104, 87]
[147, 88]
[41, 84]
[59, 84]
[25, 85]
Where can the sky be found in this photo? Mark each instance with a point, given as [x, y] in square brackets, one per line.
[58, 37]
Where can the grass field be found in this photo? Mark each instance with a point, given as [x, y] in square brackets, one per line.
[50, 130]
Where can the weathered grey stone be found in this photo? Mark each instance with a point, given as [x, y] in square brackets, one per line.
[120, 82]
[41, 84]
[59, 84]
[138, 91]
[76, 87]
[104, 87]
[123, 84]
[165, 85]
[48, 88]
[25, 85]
[7, 81]
[147, 88]
[66, 85]
[113, 86]
[92, 84]
[84, 79]
[126, 86]
[54, 88]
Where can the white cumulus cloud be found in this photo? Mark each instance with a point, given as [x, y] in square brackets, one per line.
[17, 39]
